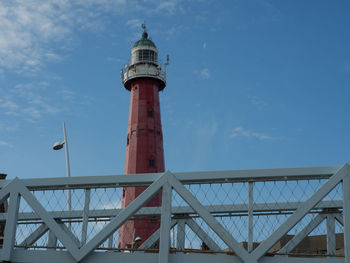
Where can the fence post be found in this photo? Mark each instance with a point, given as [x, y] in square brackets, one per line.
[180, 240]
[331, 245]
[165, 224]
[10, 226]
[346, 214]
[85, 217]
[250, 217]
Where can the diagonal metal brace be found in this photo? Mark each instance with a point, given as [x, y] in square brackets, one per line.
[210, 220]
[300, 212]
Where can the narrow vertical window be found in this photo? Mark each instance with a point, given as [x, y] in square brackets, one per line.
[140, 55]
[152, 56]
[151, 162]
[150, 113]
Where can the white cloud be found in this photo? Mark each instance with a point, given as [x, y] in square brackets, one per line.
[26, 26]
[3, 143]
[8, 127]
[32, 112]
[169, 7]
[202, 16]
[29, 27]
[112, 205]
[173, 32]
[8, 104]
[67, 94]
[52, 56]
[258, 102]
[113, 60]
[134, 23]
[204, 45]
[241, 132]
[35, 31]
[25, 101]
[204, 73]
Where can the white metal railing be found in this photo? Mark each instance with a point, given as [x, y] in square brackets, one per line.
[145, 70]
[242, 215]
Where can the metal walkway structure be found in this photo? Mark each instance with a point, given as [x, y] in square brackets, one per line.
[268, 215]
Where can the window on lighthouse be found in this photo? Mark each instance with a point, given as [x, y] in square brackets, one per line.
[147, 55]
[151, 162]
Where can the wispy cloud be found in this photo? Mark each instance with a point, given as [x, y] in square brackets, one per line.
[8, 126]
[3, 143]
[34, 32]
[169, 7]
[8, 104]
[25, 100]
[241, 132]
[202, 16]
[26, 27]
[29, 28]
[174, 32]
[113, 60]
[112, 205]
[203, 73]
[67, 94]
[134, 23]
[36, 103]
[258, 102]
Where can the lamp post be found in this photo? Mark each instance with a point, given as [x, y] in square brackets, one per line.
[59, 146]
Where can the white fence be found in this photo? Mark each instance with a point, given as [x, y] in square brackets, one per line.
[268, 215]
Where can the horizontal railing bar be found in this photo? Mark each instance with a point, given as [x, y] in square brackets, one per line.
[185, 177]
[187, 250]
[258, 174]
[22, 255]
[238, 208]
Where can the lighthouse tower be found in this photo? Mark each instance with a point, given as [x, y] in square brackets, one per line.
[144, 78]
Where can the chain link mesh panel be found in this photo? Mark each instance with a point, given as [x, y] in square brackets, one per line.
[250, 211]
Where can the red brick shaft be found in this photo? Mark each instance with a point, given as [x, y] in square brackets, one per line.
[144, 153]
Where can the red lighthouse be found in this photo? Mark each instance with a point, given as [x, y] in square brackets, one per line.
[144, 78]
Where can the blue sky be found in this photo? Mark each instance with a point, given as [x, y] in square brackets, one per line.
[251, 84]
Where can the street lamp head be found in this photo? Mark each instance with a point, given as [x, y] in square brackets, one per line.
[58, 146]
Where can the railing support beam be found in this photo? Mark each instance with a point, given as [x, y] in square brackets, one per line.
[52, 242]
[85, 217]
[346, 214]
[180, 237]
[250, 216]
[11, 226]
[331, 245]
[165, 224]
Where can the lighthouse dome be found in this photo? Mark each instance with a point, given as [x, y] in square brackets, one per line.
[144, 50]
[144, 41]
